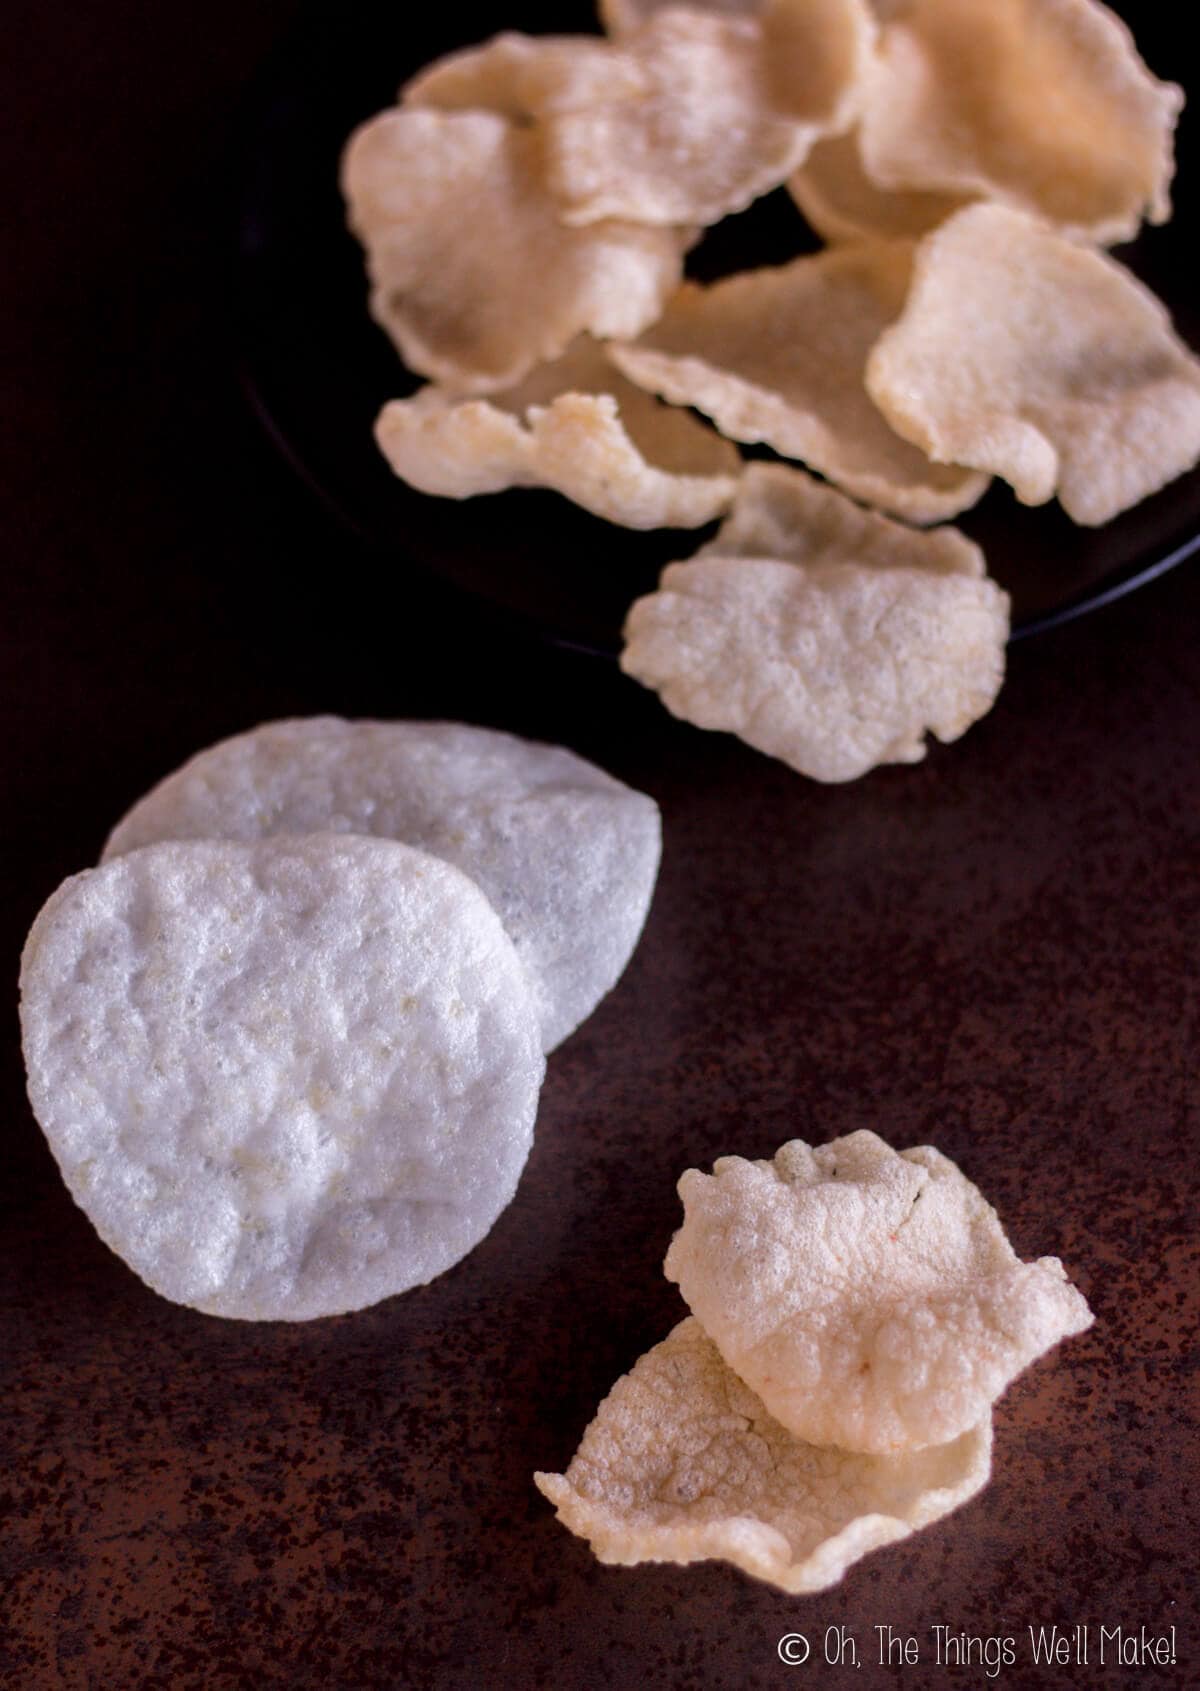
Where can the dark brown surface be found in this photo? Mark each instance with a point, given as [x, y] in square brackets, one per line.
[994, 951]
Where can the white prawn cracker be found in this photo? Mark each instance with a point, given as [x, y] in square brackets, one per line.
[777, 356]
[1041, 104]
[575, 425]
[566, 854]
[833, 665]
[473, 275]
[729, 107]
[283, 1080]
[684, 1463]
[1041, 361]
[871, 1297]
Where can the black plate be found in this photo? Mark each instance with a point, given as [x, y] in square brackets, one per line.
[317, 369]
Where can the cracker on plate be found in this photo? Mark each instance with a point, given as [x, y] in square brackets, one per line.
[1041, 104]
[777, 356]
[730, 107]
[836, 656]
[575, 425]
[1036, 359]
[473, 275]
[842, 203]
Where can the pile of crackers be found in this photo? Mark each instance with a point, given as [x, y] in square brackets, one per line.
[526, 211]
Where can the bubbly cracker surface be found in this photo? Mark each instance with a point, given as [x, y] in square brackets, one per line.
[833, 667]
[869, 1295]
[729, 108]
[285, 1079]
[566, 855]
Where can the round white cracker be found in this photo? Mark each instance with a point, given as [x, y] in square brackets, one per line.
[285, 1079]
[567, 855]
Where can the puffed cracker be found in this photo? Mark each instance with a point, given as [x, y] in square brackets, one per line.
[566, 854]
[731, 106]
[575, 425]
[683, 1463]
[832, 665]
[841, 202]
[526, 77]
[620, 16]
[871, 1297]
[1042, 104]
[473, 275]
[787, 515]
[1039, 360]
[777, 356]
[286, 1079]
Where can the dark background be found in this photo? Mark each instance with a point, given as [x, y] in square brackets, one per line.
[993, 951]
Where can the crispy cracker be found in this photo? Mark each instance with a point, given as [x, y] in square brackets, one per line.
[575, 425]
[283, 1079]
[473, 276]
[683, 1463]
[777, 356]
[870, 1296]
[832, 665]
[1035, 359]
[565, 853]
[842, 204]
[1042, 104]
[785, 514]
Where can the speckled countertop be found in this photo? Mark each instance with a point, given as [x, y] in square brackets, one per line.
[994, 951]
